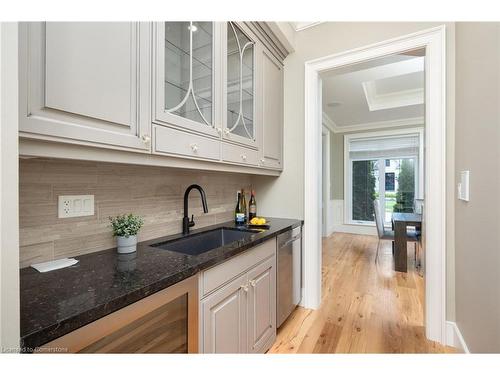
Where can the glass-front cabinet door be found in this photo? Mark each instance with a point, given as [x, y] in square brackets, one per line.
[185, 92]
[240, 78]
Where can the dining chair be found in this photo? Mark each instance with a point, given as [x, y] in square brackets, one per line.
[383, 234]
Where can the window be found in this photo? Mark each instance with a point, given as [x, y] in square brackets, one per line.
[382, 165]
[363, 189]
[402, 184]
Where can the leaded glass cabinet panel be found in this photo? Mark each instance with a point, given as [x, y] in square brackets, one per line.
[240, 124]
[185, 75]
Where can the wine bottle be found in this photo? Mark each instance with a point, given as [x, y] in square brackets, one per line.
[252, 207]
[244, 204]
[239, 215]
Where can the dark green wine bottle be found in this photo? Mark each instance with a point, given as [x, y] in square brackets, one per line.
[252, 207]
[244, 205]
[239, 214]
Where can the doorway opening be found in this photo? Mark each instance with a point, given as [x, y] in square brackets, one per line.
[378, 109]
[432, 42]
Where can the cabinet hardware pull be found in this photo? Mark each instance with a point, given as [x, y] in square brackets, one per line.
[243, 156]
[244, 287]
[262, 161]
[194, 147]
[226, 131]
[219, 130]
[252, 283]
[146, 138]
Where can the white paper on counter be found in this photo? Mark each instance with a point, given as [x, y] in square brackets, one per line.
[54, 264]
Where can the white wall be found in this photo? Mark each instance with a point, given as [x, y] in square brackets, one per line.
[9, 234]
[284, 196]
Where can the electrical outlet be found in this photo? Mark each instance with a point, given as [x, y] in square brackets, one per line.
[75, 205]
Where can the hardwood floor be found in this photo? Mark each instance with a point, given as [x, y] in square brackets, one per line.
[365, 308]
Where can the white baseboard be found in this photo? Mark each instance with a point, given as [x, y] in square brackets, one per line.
[337, 212]
[454, 337]
[330, 221]
[301, 303]
[356, 229]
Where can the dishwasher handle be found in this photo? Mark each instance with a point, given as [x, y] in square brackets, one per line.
[290, 241]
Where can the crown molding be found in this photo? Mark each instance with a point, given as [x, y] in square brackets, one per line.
[329, 123]
[396, 99]
[271, 36]
[412, 121]
[284, 32]
[299, 26]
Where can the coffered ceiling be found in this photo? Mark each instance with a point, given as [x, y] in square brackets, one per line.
[379, 93]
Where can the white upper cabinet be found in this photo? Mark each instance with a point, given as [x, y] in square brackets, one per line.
[240, 84]
[271, 110]
[187, 92]
[86, 83]
[186, 76]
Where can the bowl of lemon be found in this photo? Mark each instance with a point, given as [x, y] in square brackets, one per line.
[258, 222]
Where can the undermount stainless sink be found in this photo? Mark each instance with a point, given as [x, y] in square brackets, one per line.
[199, 243]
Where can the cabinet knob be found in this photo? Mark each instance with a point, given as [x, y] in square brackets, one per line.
[263, 161]
[219, 130]
[244, 287]
[244, 157]
[226, 131]
[252, 283]
[194, 147]
[146, 138]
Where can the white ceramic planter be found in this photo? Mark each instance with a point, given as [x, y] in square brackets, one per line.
[126, 245]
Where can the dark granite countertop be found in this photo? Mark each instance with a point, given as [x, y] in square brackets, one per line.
[57, 302]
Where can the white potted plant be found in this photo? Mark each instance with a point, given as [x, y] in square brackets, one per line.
[125, 229]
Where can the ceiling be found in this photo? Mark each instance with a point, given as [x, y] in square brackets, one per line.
[378, 93]
[299, 26]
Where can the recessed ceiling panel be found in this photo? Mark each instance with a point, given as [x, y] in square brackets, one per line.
[389, 89]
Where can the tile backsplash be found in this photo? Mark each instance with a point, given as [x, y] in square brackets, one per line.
[154, 193]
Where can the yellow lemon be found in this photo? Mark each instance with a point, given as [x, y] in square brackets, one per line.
[255, 221]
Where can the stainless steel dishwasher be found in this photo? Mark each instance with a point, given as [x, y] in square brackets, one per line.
[289, 277]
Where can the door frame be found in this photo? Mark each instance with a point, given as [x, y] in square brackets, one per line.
[9, 189]
[325, 180]
[434, 41]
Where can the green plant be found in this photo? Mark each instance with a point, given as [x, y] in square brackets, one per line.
[363, 189]
[126, 225]
[406, 187]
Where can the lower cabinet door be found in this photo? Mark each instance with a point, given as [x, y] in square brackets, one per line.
[224, 319]
[262, 306]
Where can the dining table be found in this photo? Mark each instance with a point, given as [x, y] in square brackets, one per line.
[401, 221]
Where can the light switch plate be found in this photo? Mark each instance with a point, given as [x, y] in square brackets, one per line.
[75, 206]
[463, 186]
